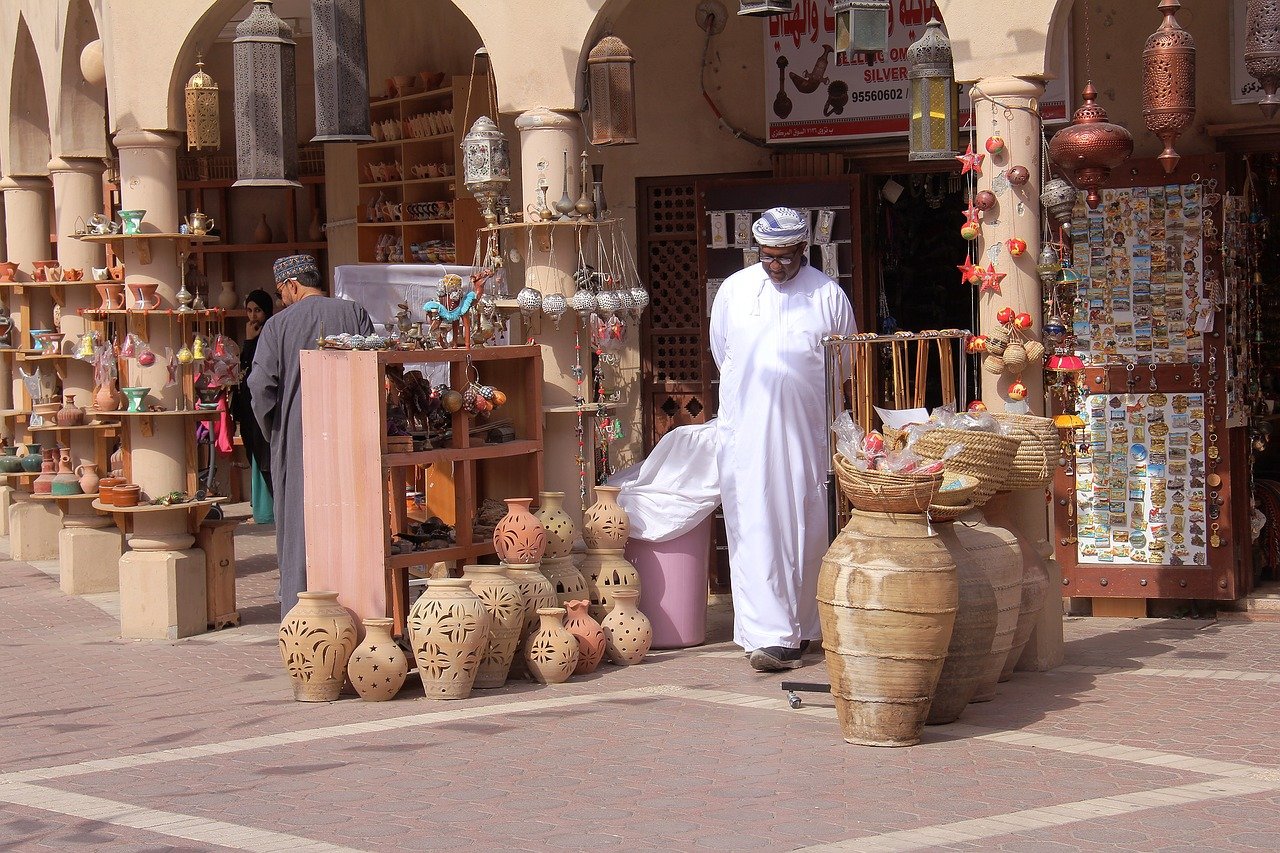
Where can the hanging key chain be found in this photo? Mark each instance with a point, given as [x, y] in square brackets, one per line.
[1214, 539]
[1152, 383]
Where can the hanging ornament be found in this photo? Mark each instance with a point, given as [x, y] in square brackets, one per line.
[977, 406]
[1090, 147]
[1005, 316]
[1168, 83]
[530, 301]
[1058, 198]
[639, 298]
[1054, 329]
[984, 200]
[1048, 265]
[976, 344]
[991, 280]
[583, 302]
[1022, 321]
[971, 162]
[969, 272]
[995, 145]
[1262, 50]
[1017, 175]
[608, 302]
[971, 229]
[1016, 246]
[1017, 390]
[554, 305]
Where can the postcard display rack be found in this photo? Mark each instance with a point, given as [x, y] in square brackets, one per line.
[356, 487]
[1153, 500]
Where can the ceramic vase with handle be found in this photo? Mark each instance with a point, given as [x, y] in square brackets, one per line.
[87, 472]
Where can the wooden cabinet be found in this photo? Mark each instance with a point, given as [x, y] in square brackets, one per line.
[412, 207]
[356, 489]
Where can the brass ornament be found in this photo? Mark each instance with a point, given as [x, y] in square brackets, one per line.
[204, 131]
[1090, 147]
[612, 82]
[1262, 50]
[1169, 82]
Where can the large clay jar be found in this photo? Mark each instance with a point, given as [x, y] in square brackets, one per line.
[70, 414]
[605, 523]
[1035, 578]
[501, 597]
[627, 632]
[43, 484]
[1001, 558]
[607, 571]
[975, 625]
[537, 593]
[378, 666]
[32, 460]
[552, 655]
[449, 627]
[519, 537]
[887, 597]
[588, 633]
[558, 524]
[316, 640]
[569, 583]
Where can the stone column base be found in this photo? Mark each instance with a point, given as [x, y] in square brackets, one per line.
[7, 499]
[33, 530]
[89, 560]
[162, 594]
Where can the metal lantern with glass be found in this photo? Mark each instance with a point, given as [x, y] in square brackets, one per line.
[932, 87]
[486, 165]
[204, 131]
[862, 27]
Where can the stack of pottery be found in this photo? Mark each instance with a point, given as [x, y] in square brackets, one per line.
[520, 540]
[502, 599]
[316, 640]
[552, 653]
[557, 564]
[378, 667]
[448, 629]
[605, 529]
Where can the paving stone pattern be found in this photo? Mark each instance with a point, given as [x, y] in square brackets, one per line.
[1154, 735]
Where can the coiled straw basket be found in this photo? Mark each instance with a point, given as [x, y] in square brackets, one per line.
[882, 491]
[1037, 454]
[986, 456]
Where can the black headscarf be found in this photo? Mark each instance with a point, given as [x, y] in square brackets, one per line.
[263, 300]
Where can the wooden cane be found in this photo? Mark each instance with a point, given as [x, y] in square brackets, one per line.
[922, 371]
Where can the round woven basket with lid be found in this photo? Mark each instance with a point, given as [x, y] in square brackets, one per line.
[983, 455]
[882, 491]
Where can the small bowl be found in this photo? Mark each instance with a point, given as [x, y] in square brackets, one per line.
[126, 494]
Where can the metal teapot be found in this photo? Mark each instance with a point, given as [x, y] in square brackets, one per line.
[199, 223]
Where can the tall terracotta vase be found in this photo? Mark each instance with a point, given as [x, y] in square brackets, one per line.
[502, 599]
[378, 666]
[107, 397]
[552, 654]
[605, 523]
[559, 525]
[887, 597]
[519, 537]
[448, 628]
[537, 593]
[317, 637]
[588, 633]
[627, 632]
[43, 484]
[1035, 578]
[975, 625]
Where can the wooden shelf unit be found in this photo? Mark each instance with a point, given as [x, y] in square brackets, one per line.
[355, 498]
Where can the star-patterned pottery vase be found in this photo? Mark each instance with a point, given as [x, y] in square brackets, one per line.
[378, 666]
[559, 525]
[448, 627]
[316, 640]
[589, 634]
[605, 523]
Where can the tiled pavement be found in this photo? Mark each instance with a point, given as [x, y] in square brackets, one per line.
[1155, 735]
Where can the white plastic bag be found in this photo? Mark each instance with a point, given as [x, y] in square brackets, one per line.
[675, 488]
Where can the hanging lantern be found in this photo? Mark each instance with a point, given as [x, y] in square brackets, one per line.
[933, 96]
[612, 78]
[486, 165]
[341, 62]
[266, 101]
[764, 8]
[1064, 362]
[1090, 147]
[203, 128]
[1168, 83]
[1059, 199]
[1262, 50]
[862, 27]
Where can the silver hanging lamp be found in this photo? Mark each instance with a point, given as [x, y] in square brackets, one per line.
[341, 59]
[266, 101]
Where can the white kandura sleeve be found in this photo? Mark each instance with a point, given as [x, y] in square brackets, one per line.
[719, 320]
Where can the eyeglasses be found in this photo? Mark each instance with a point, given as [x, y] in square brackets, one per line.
[783, 260]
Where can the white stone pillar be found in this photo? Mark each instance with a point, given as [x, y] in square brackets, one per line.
[89, 550]
[1000, 106]
[77, 194]
[545, 136]
[162, 579]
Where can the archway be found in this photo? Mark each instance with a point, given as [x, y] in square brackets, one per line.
[28, 110]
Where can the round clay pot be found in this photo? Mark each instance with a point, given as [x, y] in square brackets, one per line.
[552, 655]
[589, 634]
[607, 571]
[502, 599]
[31, 461]
[627, 632]
[316, 640]
[107, 489]
[125, 494]
[605, 523]
[519, 537]
[559, 525]
[448, 627]
[378, 666]
[565, 577]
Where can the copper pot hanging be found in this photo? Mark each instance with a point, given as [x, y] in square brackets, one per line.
[1090, 147]
[1262, 50]
[1169, 82]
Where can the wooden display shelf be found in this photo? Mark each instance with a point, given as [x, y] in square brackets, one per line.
[585, 408]
[21, 475]
[408, 182]
[411, 97]
[78, 497]
[5, 414]
[441, 555]
[148, 508]
[49, 284]
[451, 454]
[407, 140]
[55, 428]
[203, 314]
[32, 355]
[554, 223]
[206, 414]
[401, 222]
[144, 240]
[263, 248]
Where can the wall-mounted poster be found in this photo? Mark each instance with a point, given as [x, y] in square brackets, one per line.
[813, 94]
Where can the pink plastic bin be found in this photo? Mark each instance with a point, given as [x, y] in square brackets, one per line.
[673, 586]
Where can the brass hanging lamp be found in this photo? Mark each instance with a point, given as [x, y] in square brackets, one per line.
[266, 101]
[612, 80]
[204, 130]
[1090, 147]
[341, 61]
[1262, 50]
[933, 101]
[1169, 82]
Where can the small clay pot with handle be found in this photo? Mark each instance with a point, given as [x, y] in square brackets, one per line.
[90, 482]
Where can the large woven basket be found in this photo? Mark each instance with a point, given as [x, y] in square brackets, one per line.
[881, 491]
[984, 455]
[1037, 453]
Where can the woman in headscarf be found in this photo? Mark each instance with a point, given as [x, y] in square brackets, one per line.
[260, 306]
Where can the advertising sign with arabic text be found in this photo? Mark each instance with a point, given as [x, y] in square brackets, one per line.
[814, 94]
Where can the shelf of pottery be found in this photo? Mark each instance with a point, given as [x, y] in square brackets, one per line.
[534, 616]
[411, 207]
[47, 429]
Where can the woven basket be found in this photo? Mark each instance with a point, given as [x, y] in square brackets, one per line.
[985, 455]
[1037, 453]
[956, 489]
[939, 513]
[881, 491]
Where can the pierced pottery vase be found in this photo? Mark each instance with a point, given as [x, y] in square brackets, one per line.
[519, 537]
[378, 666]
[565, 577]
[605, 523]
[316, 639]
[559, 525]
[501, 597]
[607, 571]
[589, 634]
[537, 593]
[552, 655]
[627, 632]
[449, 627]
